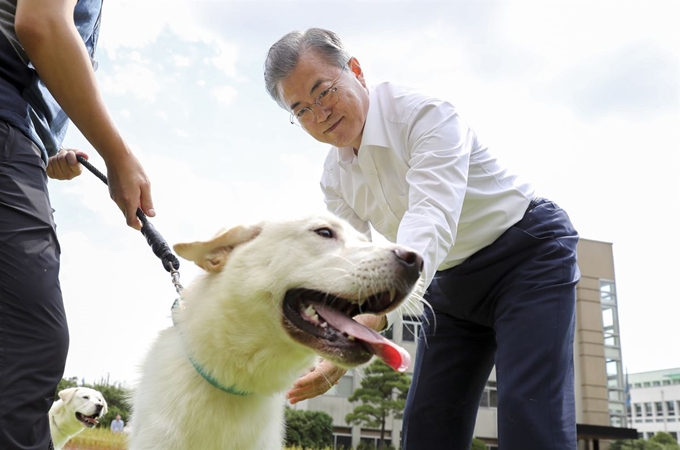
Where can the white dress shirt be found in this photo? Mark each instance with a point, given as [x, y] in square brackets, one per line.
[424, 180]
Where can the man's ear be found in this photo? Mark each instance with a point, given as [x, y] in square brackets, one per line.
[355, 68]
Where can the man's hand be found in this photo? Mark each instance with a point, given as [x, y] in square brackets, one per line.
[318, 381]
[64, 165]
[130, 188]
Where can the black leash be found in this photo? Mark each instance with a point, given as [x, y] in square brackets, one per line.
[153, 237]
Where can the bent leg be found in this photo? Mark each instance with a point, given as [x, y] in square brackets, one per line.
[534, 361]
[453, 362]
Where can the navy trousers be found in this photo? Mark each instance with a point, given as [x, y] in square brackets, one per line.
[512, 305]
[33, 330]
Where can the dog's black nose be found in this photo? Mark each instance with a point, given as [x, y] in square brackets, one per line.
[99, 408]
[412, 263]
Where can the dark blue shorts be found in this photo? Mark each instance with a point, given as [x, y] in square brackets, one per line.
[33, 330]
[512, 305]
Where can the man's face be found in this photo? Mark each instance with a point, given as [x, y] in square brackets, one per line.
[342, 124]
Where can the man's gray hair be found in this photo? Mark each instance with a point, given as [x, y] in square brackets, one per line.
[284, 55]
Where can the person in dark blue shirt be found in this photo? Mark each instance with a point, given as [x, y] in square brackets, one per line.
[46, 80]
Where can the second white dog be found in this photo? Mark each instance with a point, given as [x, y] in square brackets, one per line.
[77, 408]
[274, 295]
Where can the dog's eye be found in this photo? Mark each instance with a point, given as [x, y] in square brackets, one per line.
[86, 397]
[325, 232]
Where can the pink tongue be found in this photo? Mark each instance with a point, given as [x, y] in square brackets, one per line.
[393, 355]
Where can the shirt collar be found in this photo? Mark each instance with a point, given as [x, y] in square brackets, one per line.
[374, 135]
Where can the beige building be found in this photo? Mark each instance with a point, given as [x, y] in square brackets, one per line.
[599, 378]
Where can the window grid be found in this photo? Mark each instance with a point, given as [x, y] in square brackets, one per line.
[410, 328]
[614, 365]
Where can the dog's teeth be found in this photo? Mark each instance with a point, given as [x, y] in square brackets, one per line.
[309, 311]
[351, 338]
[310, 314]
[324, 325]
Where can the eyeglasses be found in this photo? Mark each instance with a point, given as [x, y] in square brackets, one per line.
[326, 99]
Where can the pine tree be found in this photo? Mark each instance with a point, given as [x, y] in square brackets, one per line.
[382, 394]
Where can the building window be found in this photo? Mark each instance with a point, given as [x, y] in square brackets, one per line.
[489, 396]
[675, 435]
[616, 395]
[612, 350]
[345, 386]
[410, 328]
[343, 441]
[374, 441]
[648, 409]
[388, 333]
[659, 408]
[638, 409]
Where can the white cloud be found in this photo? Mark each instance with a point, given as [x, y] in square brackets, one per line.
[181, 61]
[136, 79]
[225, 94]
[122, 30]
[227, 55]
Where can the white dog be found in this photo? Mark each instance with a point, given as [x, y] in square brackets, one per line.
[275, 295]
[77, 408]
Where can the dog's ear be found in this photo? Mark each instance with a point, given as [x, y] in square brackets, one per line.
[212, 255]
[67, 394]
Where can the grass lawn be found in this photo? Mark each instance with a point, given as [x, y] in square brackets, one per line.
[103, 439]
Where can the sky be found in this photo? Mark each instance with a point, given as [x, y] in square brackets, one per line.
[582, 98]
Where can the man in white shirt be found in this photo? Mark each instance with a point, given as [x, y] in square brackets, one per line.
[500, 264]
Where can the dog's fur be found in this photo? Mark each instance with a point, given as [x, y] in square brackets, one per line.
[77, 408]
[236, 327]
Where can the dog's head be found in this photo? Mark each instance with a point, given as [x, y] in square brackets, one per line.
[319, 272]
[86, 404]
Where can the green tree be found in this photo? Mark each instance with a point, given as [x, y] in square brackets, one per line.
[662, 441]
[308, 429]
[478, 444]
[638, 444]
[382, 393]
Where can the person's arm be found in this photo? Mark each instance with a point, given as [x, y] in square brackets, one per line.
[48, 34]
[439, 148]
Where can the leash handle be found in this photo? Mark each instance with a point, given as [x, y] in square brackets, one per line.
[158, 245]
